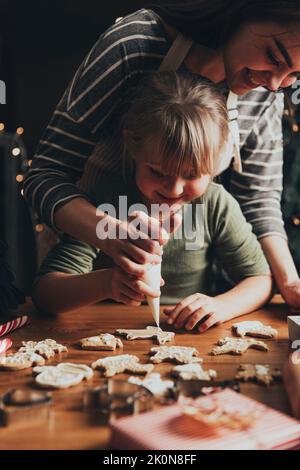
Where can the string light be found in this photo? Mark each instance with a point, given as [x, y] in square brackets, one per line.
[16, 151]
[39, 228]
[2, 126]
[296, 221]
[295, 128]
[20, 131]
[22, 192]
[29, 163]
[19, 178]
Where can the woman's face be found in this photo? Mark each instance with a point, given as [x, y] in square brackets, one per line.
[262, 54]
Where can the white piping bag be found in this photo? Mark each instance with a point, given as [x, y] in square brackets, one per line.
[152, 278]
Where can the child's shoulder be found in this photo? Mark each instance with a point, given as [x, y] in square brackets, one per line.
[217, 194]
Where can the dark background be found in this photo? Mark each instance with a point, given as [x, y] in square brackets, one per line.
[42, 42]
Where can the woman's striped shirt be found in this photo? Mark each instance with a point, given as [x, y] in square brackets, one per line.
[89, 111]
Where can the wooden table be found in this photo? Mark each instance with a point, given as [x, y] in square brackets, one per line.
[72, 428]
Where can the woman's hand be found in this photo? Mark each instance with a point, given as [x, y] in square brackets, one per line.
[129, 290]
[291, 294]
[137, 242]
[196, 310]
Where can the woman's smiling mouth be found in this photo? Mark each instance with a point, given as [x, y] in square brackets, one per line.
[250, 81]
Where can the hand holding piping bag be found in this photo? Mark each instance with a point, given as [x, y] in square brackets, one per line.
[153, 274]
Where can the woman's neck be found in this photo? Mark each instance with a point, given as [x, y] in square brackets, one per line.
[201, 60]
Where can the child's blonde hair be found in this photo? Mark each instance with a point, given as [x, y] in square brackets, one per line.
[181, 118]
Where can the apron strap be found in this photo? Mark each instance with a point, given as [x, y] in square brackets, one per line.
[232, 102]
[177, 53]
[173, 60]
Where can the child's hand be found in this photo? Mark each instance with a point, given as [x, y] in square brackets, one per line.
[197, 309]
[130, 290]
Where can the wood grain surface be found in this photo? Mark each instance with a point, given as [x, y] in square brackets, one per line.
[69, 425]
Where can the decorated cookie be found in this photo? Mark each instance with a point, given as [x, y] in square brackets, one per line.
[255, 329]
[118, 364]
[193, 372]
[180, 354]
[154, 383]
[20, 361]
[64, 375]
[66, 367]
[103, 342]
[261, 374]
[237, 346]
[46, 348]
[150, 332]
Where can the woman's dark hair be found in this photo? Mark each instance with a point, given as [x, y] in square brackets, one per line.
[213, 22]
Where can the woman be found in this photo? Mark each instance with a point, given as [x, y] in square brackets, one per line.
[246, 44]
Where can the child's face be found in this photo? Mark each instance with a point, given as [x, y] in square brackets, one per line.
[160, 188]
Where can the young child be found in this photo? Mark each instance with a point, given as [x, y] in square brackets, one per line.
[175, 132]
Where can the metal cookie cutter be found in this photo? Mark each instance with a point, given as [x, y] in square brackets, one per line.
[19, 406]
[118, 398]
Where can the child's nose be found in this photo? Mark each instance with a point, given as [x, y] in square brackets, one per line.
[175, 187]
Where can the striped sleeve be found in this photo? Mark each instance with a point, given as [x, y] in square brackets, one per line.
[87, 109]
[258, 188]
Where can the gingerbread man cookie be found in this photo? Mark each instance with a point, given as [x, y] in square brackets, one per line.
[150, 332]
[255, 329]
[103, 342]
[261, 374]
[193, 372]
[180, 354]
[118, 364]
[237, 346]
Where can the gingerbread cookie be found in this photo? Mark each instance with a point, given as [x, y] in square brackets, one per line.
[67, 367]
[46, 348]
[118, 364]
[103, 342]
[193, 372]
[20, 360]
[180, 354]
[261, 374]
[237, 346]
[255, 329]
[154, 383]
[62, 376]
[150, 332]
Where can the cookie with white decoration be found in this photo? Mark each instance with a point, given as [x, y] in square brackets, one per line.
[103, 342]
[19, 361]
[237, 346]
[64, 375]
[255, 329]
[154, 383]
[258, 373]
[179, 354]
[66, 367]
[149, 332]
[193, 372]
[119, 364]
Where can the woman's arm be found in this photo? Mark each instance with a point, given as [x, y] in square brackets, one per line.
[259, 188]
[283, 268]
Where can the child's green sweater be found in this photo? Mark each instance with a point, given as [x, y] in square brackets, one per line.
[226, 236]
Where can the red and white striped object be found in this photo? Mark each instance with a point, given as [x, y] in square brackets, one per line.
[13, 325]
[5, 344]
